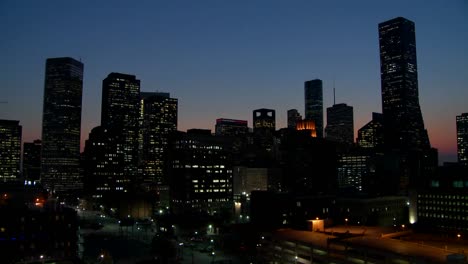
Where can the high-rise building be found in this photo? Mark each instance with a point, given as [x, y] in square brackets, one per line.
[293, 118]
[61, 125]
[264, 127]
[313, 93]
[371, 135]
[120, 113]
[340, 124]
[32, 160]
[231, 127]
[158, 118]
[10, 150]
[462, 139]
[307, 125]
[404, 126]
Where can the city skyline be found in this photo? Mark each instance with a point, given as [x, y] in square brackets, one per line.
[255, 56]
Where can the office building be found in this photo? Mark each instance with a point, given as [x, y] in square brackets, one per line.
[231, 127]
[10, 150]
[158, 118]
[264, 127]
[404, 126]
[293, 118]
[121, 112]
[61, 125]
[308, 125]
[462, 139]
[313, 94]
[32, 161]
[340, 124]
[371, 135]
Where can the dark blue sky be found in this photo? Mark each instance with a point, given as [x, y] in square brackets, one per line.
[227, 58]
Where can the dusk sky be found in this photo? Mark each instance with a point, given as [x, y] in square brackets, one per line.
[227, 58]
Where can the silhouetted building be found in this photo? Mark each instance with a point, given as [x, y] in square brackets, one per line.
[313, 94]
[200, 173]
[264, 127]
[120, 113]
[10, 150]
[104, 162]
[404, 126]
[371, 135]
[61, 125]
[353, 169]
[32, 160]
[158, 119]
[293, 118]
[340, 124]
[231, 127]
[462, 139]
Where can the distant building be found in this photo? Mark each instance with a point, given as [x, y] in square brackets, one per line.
[200, 172]
[404, 126]
[371, 135]
[120, 113]
[340, 124]
[264, 127]
[61, 125]
[293, 118]
[10, 150]
[32, 160]
[231, 127]
[313, 94]
[158, 118]
[462, 139]
[353, 170]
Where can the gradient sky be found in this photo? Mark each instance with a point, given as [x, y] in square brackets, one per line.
[225, 58]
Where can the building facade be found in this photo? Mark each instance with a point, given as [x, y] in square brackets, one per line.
[462, 139]
[10, 149]
[264, 127]
[313, 94]
[371, 135]
[231, 127]
[61, 125]
[404, 126]
[32, 160]
[340, 124]
[158, 118]
[293, 118]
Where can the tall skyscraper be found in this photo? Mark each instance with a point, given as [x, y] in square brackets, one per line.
[120, 113]
[293, 118]
[32, 160]
[462, 139]
[340, 124]
[10, 150]
[61, 125]
[404, 126]
[158, 118]
[313, 94]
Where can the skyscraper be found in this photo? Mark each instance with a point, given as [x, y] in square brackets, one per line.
[61, 125]
[340, 124]
[158, 118]
[264, 127]
[371, 134]
[10, 150]
[462, 139]
[120, 114]
[403, 121]
[313, 94]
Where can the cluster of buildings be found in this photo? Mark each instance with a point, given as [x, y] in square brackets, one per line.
[386, 175]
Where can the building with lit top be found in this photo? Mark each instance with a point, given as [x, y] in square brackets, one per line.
[308, 125]
[462, 139]
[200, 173]
[231, 127]
[264, 127]
[61, 125]
[158, 119]
[10, 149]
[313, 94]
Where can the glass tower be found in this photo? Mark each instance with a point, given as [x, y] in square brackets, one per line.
[313, 93]
[61, 125]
